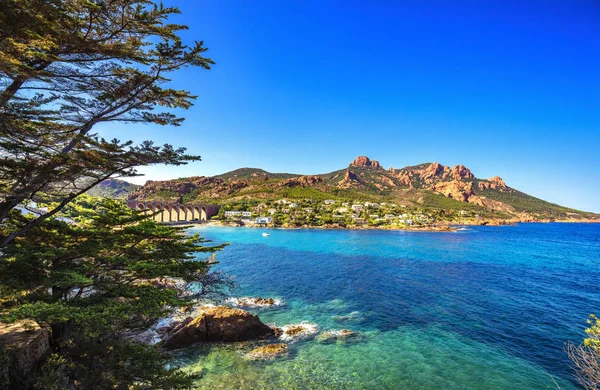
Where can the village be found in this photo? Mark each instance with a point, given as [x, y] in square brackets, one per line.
[336, 213]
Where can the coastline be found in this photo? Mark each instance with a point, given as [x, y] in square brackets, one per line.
[442, 228]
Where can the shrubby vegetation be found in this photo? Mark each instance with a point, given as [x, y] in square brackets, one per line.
[93, 282]
[586, 357]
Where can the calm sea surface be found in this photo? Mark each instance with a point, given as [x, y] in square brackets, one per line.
[482, 308]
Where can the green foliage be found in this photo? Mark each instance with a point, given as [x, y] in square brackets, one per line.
[67, 66]
[593, 333]
[304, 193]
[247, 173]
[112, 188]
[528, 203]
[92, 281]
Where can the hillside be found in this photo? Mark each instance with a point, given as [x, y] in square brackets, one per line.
[113, 188]
[428, 185]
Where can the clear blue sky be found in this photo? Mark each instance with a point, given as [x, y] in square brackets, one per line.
[509, 88]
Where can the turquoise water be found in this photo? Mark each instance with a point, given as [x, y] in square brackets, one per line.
[482, 308]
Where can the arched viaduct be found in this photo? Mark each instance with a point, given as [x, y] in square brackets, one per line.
[175, 212]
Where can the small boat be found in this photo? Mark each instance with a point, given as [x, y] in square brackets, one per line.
[265, 234]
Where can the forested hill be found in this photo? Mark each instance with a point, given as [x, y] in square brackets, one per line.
[113, 188]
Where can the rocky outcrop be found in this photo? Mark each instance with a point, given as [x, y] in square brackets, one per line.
[350, 180]
[434, 172]
[220, 323]
[364, 161]
[495, 182]
[402, 176]
[254, 302]
[269, 351]
[302, 181]
[294, 332]
[460, 191]
[460, 172]
[27, 344]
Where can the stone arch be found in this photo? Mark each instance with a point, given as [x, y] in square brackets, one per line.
[142, 208]
[189, 213]
[166, 214]
[174, 215]
[195, 213]
[158, 217]
[203, 213]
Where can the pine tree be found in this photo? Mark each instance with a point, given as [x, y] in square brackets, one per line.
[67, 66]
[94, 281]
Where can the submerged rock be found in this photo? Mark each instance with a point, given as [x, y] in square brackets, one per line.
[331, 336]
[354, 316]
[254, 302]
[269, 351]
[220, 323]
[295, 332]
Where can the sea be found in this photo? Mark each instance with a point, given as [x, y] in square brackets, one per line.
[480, 308]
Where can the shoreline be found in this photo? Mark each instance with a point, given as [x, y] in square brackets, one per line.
[443, 228]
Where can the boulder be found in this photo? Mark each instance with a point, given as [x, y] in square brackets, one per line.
[295, 332]
[220, 323]
[26, 344]
[269, 351]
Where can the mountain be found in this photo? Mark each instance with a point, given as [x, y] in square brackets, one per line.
[113, 188]
[428, 185]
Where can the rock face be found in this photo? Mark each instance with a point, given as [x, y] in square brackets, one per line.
[350, 180]
[364, 161]
[495, 182]
[269, 351]
[220, 323]
[460, 172]
[27, 345]
[302, 181]
[455, 190]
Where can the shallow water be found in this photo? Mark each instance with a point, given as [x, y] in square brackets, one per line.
[482, 308]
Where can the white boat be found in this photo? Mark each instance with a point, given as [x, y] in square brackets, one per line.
[265, 234]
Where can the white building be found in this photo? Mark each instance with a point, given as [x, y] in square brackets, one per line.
[233, 213]
[246, 213]
[329, 201]
[263, 220]
[358, 207]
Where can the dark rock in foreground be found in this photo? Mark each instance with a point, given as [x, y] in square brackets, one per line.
[26, 345]
[218, 323]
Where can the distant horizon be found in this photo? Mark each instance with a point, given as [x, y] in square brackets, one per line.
[506, 88]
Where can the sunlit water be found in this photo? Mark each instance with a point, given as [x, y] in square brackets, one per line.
[483, 308]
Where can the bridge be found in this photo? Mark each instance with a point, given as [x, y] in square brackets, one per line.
[172, 212]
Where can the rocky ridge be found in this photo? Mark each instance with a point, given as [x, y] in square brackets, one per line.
[410, 185]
